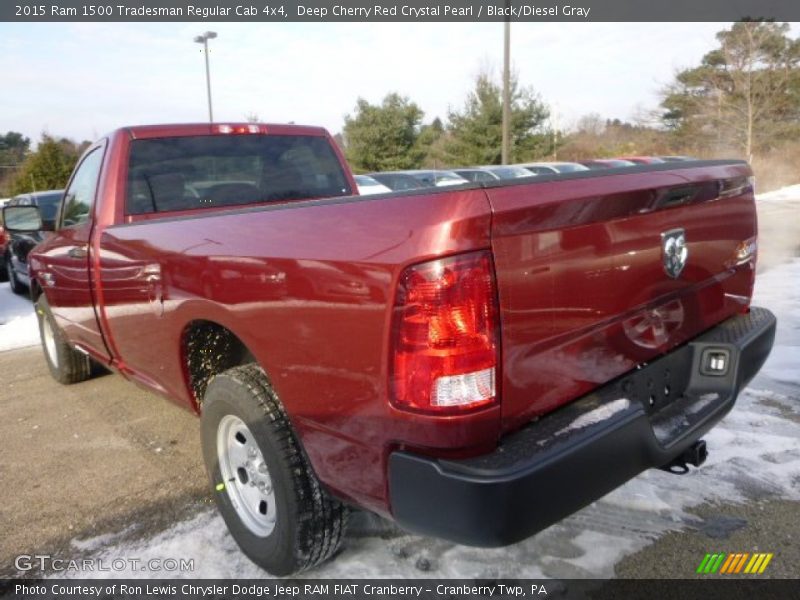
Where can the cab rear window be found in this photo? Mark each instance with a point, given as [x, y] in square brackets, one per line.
[185, 173]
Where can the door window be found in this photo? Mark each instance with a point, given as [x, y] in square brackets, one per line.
[79, 197]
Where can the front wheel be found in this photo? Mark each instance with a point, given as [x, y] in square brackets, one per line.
[66, 364]
[265, 488]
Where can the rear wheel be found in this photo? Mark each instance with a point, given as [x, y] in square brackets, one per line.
[265, 488]
[66, 364]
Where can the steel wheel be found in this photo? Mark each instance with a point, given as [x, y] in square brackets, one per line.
[246, 476]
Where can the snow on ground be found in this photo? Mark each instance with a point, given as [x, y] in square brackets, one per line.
[789, 193]
[753, 455]
[18, 325]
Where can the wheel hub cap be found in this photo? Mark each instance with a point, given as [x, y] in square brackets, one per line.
[246, 476]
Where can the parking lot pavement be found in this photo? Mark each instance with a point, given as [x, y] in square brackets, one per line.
[87, 459]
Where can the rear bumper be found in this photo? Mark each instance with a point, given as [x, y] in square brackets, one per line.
[575, 455]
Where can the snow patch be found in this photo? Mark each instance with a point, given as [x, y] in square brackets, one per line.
[791, 192]
[597, 415]
[18, 324]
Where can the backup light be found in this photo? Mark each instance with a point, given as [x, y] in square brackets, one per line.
[445, 336]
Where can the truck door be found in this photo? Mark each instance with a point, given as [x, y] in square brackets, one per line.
[66, 277]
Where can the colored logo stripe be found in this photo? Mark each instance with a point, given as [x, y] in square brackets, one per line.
[711, 563]
[734, 563]
[758, 563]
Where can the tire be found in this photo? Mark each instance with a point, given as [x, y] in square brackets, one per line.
[3, 270]
[307, 525]
[66, 364]
[16, 286]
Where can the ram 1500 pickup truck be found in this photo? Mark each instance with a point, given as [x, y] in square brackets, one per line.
[475, 362]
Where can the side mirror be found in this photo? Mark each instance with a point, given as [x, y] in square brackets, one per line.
[22, 219]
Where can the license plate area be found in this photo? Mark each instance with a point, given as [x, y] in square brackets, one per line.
[660, 383]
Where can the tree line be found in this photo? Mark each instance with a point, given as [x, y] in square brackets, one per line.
[46, 168]
[741, 101]
[392, 135]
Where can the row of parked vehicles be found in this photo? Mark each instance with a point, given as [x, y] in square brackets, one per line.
[396, 181]
[14, 247]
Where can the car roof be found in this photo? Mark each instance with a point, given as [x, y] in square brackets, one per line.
[551, 163]
[35, 195]
[192, 129]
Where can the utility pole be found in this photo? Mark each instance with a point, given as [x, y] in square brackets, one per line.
[506, 149]
[554, 125]
[203, 39]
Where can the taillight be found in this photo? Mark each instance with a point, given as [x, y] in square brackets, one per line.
[445, 337]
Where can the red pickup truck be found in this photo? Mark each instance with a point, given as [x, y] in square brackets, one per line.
[475, 362]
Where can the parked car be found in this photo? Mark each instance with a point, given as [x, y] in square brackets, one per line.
[642, 160]
[3, 243]
[507, 171]
[367, 185]
[676, 158]
[476, 174]
[549, 168]
[19, 245]
[607, 163]
[398, 181]
[3, 246]
[437, 178]
[474, 363]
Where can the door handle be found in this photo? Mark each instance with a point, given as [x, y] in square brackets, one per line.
[151, 273]
[77, 252]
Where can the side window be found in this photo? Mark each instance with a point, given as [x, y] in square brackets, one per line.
[79, 197]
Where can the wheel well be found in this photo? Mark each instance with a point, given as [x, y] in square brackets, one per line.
[35, 290]
[209, 349]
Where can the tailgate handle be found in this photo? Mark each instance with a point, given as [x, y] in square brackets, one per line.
[677, 196]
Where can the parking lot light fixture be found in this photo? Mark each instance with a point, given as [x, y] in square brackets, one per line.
[203, 39]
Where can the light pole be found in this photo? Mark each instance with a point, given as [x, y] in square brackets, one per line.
[203, 39]
[506, 126]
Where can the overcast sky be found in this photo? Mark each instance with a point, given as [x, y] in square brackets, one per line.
[81, 80]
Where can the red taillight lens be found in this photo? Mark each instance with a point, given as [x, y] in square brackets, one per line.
[445, 335]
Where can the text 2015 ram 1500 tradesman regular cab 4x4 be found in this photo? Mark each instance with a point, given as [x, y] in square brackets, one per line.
[474, 362]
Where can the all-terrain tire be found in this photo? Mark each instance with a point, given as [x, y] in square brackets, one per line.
[66, 364]
[309, 524]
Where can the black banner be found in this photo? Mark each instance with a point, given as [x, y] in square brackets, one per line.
[400, 10]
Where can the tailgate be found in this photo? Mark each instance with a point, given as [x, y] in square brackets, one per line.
[593, 279]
